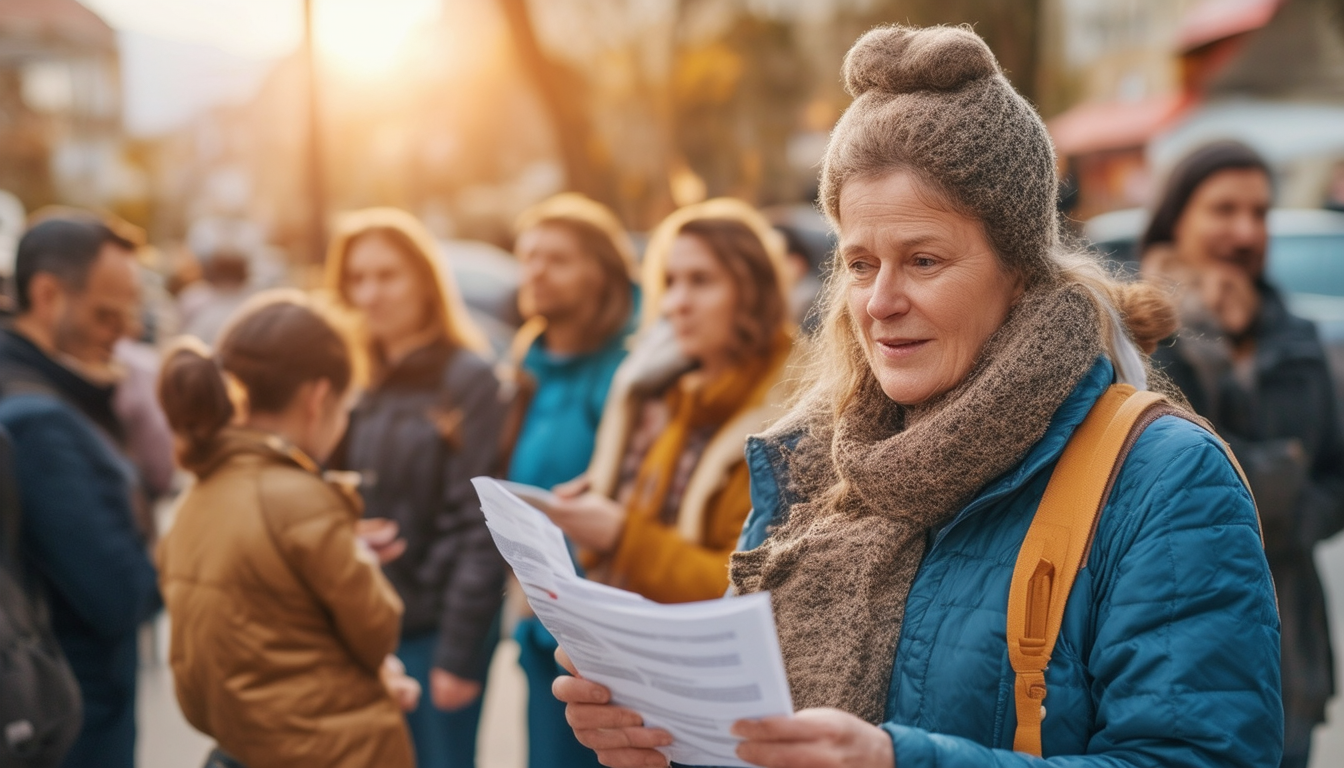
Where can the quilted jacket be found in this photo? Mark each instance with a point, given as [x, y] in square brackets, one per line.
[1169, 650]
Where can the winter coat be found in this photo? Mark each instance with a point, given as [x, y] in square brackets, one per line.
[80, 537]
[688, 560]
[1285, 432]
[279, 623]
[1168, 654]
[417, 439]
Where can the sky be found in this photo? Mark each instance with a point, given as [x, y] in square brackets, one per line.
[182, 56]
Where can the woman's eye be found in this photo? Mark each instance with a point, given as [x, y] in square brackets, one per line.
[924, 261]
[860, 267]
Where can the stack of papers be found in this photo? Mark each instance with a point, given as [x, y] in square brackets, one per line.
[692, 669]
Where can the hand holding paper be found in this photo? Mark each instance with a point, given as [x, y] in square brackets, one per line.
[691, 669]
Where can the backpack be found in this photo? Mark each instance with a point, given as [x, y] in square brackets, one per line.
[40, 708]
[1060, 537]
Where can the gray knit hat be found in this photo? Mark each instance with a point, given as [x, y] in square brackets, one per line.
[934, 101]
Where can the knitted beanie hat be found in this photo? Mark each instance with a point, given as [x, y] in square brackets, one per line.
[935, 102]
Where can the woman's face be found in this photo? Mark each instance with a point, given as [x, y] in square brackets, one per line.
[925, 289]
[700, 300]
[381, 284]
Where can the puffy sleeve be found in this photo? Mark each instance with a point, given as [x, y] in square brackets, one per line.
[1184, 656]
[315, 533]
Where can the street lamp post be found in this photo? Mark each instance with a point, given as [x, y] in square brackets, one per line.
[317, 224]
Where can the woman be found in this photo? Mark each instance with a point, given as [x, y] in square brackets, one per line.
[666, 493]
[282, 623]
[962, 347]
[429, 422]
[578, 297]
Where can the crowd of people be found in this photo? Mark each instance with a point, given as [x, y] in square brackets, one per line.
[335, 598]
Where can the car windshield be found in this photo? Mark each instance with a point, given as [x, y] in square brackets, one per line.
[1310, 270]
[1311, 264]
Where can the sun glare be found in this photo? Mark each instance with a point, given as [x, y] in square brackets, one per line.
[366, 37]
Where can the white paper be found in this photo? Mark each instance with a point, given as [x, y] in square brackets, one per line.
[692, 669]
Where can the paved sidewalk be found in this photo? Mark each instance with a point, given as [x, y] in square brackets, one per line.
[167, 741]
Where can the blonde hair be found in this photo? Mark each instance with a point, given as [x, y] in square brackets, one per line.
[448, 312]
[601, 237]
[720, 209]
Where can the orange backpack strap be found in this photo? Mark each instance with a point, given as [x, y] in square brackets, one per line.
[1060, 536]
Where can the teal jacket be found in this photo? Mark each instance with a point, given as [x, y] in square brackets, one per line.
[1169, 651]
[560, 426]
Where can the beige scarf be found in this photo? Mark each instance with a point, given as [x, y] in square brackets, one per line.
[871, 485]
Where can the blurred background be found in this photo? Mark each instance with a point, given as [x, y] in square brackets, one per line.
[233, 130]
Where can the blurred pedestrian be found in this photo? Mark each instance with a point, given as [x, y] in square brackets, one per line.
[663, 501]
[963, 348]
[802, 278]
[579, 301]
[282, 622]
[1261, 376]
[77, 294]
[207, 304]
[430, 421]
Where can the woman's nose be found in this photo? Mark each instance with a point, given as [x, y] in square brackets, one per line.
[889, 297]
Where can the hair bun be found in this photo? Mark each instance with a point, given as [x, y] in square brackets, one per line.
[900, 59]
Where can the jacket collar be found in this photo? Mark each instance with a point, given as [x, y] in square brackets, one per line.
[93, 400]
[421, 369]
[1048, 449]
[267, 446]
[537, 359]
[769, 471]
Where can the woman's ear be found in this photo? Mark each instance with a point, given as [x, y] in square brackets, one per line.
[316, 396]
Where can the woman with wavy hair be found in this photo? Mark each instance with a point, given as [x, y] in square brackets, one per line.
[429, 422]
[964, 350]
[660, 508]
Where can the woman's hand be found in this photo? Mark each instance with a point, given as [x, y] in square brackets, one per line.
[617, 735]
[814, 738]
[590, 520]
[380, 535]
[403, 689]
[450, 692]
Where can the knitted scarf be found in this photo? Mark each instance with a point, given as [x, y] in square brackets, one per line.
[868, 487]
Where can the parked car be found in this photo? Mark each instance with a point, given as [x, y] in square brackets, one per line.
[488, 278]
[1306, 262]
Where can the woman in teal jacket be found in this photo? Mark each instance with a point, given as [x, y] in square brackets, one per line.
[962, 347]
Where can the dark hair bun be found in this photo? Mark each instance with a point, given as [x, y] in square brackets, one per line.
[906, 59]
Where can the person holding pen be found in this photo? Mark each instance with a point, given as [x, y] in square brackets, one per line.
[660, 508]
[963, 346]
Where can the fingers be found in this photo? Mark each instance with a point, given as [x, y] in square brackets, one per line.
[562, 659]
[576, 690]
[622, 738]
[594, 716]
[781, 754]
[786, 728]
[631, 758]
[576, 487]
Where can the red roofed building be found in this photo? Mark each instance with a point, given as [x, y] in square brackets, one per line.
[1216, 51]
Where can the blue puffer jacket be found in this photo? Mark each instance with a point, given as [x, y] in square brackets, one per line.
[1169, 651]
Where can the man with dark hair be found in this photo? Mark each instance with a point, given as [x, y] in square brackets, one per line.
[1260, 375]
[77, 294]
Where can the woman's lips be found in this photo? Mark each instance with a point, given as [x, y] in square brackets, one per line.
[897, 349]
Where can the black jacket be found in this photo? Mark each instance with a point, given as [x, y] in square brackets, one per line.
[1284, 429]
[417, 439]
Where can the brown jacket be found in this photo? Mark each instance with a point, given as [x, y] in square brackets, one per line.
[279, 627]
